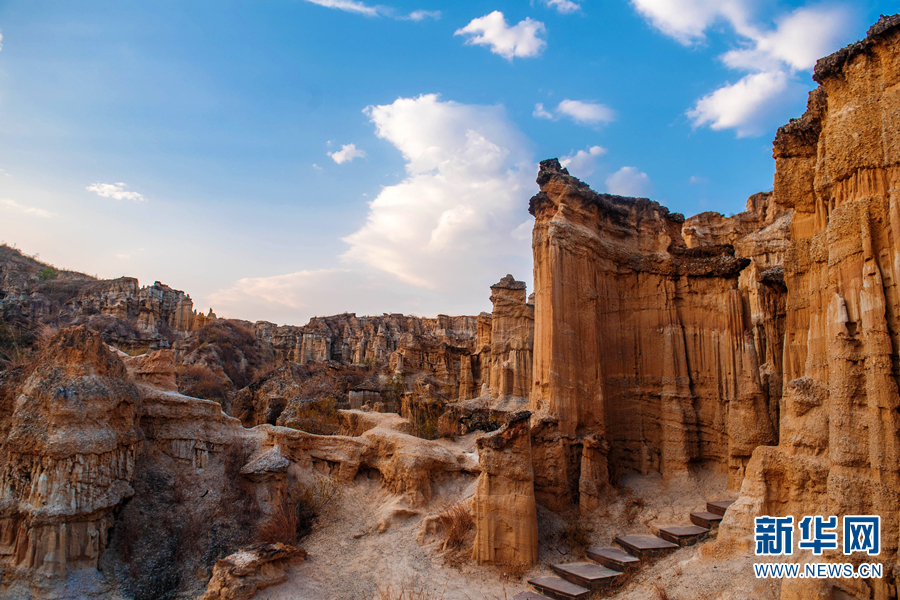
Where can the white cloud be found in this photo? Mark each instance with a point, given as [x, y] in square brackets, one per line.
[586, 113]
[1, 41]
[316, 167]
[349, 6]
[12, 205]
[540, 113]
[565, 7]
[582, 163]
[628, 181]
[468, 172]
[697, 180]
[421, 15]
[437, 240]
[686, 21]
[347, 153]
[519, 41]
[772, 55]
[116, 191]
[744, 105]
[799, 39]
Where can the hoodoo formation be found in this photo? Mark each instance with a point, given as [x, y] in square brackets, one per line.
[662, 363]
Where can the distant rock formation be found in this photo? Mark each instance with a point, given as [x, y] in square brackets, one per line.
[501, 362]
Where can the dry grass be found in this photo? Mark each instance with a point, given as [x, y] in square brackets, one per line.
[292, 515]
[282, 524]
[199, 381]
[514, 572]
[457, 522]
[575, 535]
[660, 591]
[633, 506]
[409, 590]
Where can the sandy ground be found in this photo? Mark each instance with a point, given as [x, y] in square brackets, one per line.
[350, 560]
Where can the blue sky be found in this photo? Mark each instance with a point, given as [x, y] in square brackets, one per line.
[284, 159]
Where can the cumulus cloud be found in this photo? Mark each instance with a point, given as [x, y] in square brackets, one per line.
[582, 163]
[686, 21]
[13, 206]
[799, 39]
[743, 105]
[522, 40]
[347, 153]
[433, 242]
[1, 41]
[772, 56]
[565, 7]
[629, 181]
[468, 175]
[586, 113]
[115, 191]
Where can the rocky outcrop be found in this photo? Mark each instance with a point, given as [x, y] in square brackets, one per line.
[838, 167]
[504, 508]
[642, 343]
[501, 362]
[70, 456]
[128, 315]
[156, 369]
[241, 575]
[512, 339]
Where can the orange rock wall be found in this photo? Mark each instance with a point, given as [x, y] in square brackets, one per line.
[640, 340]
[838, 167]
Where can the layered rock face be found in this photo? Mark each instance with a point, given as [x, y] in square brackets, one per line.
[70, 456]
[503, 358]
[408, 346]
[150, 316]
[642, 343]
[838, 167]
[504, 506]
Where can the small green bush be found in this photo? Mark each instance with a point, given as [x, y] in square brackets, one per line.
[48, 273]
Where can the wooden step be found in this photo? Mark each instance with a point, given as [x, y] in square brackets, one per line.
[687, 535]
[559, 589]
[613, 558]
[645, 546]
[706, 519]
[588, 575]
[719, 507]
[529, 595]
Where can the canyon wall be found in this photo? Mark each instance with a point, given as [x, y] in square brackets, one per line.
[838, 168]
[654, 348]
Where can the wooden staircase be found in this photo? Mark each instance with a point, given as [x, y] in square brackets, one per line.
[608, 568]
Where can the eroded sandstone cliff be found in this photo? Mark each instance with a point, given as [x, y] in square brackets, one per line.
[646, 344]
[838, 168]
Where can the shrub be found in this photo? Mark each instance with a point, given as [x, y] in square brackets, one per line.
[293, 514]
[575, 535]
[456, 521]
[200, 382]
[424, 416]
[319, 417]
[48, 273]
